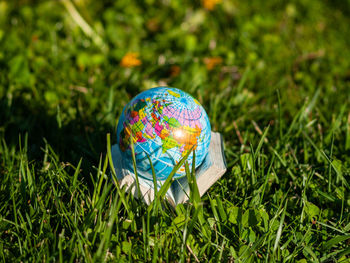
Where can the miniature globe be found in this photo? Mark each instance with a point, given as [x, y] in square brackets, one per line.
[164, 124]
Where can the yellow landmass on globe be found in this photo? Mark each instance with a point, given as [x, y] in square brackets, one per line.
[173, 93]
[142, 114]
[197, 102]
[164, 133]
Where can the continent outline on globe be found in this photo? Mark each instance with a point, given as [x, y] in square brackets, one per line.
[164, 123]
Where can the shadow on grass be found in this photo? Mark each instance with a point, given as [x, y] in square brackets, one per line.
[342, 6]
[79, 138]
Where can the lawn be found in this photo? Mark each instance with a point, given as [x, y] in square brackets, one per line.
[274, 78]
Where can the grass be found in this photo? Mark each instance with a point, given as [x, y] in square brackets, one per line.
[274, 79]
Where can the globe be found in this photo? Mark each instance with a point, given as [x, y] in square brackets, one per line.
[163, 124]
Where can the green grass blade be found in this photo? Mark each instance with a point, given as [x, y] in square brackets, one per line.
[280, 227]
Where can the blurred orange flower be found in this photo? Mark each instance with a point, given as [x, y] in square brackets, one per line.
[175, 71]
[210, 4]
[130, 60]
[212, 62]
[152, 25]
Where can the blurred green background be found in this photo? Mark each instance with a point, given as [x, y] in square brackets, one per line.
[57, 71]
[68, 67]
